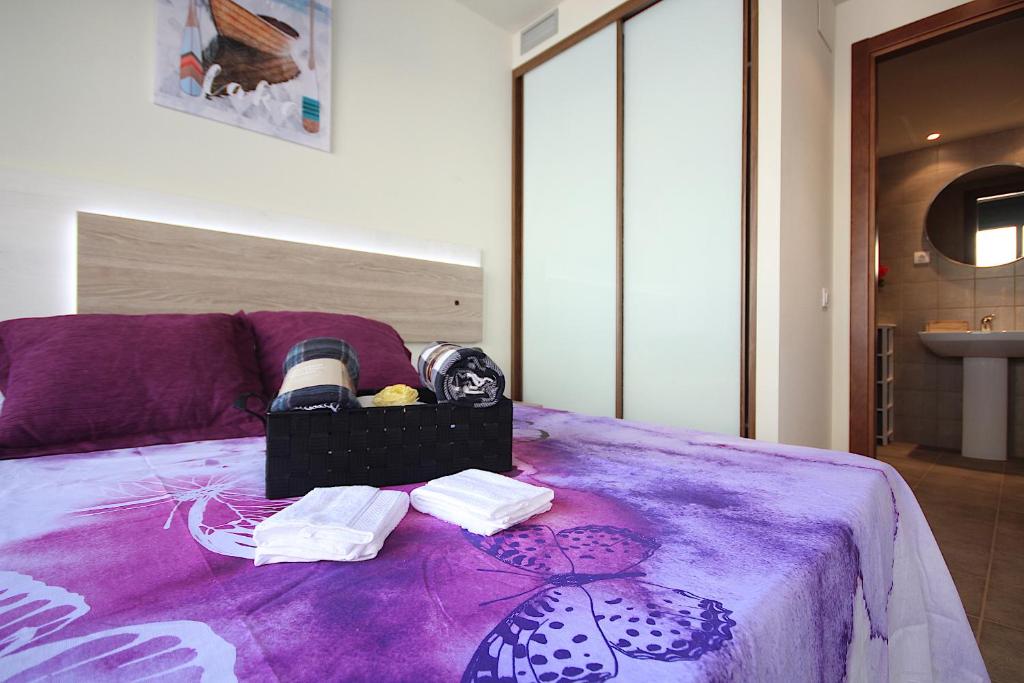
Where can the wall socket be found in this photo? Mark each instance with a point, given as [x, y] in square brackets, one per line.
[922, 257]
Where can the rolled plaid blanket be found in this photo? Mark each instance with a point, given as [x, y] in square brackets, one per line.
[461, 375]
[324, 347]
[320, 374]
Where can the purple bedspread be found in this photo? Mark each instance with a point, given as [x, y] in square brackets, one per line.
[668, 556]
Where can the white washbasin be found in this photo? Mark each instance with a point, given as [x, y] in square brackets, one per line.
[986, 385]
[975, 344]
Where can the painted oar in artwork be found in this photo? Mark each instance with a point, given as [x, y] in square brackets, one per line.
[191, 68]
[311, 100]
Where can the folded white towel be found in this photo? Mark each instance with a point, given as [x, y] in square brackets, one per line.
[473, 523]
[346, 523]
[481, 502]
[283, 552]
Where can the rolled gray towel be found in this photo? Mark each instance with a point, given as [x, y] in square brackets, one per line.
[461, 375]
[320, 374]
[320, 397]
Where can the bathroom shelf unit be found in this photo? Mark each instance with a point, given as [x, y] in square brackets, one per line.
[885, 374]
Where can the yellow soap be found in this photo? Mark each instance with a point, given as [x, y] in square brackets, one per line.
[396, 395]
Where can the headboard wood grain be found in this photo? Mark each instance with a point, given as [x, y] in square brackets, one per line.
[132, 266]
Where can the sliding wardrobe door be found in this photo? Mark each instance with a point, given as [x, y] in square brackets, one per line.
[569, 228]
[683, 146]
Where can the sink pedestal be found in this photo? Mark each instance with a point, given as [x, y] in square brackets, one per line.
[986, 385]
[986, 380]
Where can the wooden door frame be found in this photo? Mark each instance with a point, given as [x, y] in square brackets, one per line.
[864, 62]
[618, 16]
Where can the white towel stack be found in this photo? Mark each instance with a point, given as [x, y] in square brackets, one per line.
[481, 502]
[346, 523]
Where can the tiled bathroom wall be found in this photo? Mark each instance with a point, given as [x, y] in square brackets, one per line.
[928, 399]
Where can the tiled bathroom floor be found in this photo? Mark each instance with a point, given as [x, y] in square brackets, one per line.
[976, 511]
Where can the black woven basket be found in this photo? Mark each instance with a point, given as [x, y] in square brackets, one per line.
[384, 446]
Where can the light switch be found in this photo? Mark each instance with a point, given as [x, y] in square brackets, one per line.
[922, 257]
[825, 296]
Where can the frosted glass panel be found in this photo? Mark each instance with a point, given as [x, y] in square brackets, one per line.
[569, 229]
[683, 179]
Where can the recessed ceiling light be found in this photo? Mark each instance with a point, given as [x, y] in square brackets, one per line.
[933, 136]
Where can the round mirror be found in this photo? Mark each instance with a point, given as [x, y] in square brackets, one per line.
[979, 217]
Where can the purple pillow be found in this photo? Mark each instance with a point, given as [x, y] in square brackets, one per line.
[80, 383]
[383, 358]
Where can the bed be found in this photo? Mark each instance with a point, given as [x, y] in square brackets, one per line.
[668, 555]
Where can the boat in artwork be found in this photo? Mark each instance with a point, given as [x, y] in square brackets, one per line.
[247, 67]
[252, 30]
[250, 48]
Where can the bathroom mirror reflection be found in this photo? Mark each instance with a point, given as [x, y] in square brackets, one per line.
[978, 219]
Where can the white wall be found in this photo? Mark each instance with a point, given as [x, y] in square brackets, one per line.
[855, 21]
[793, 224]
[806, 208]
[421, 156]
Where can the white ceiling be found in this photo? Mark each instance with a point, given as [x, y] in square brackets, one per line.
[962, 87]
[511, 15]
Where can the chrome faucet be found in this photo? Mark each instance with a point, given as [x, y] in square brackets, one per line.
[986, 322]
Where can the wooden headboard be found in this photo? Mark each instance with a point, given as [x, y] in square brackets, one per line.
[133, 266]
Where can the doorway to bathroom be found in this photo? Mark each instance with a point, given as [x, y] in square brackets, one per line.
[937, 202]
[937, 231]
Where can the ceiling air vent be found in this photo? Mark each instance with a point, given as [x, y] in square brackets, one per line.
[538, 32]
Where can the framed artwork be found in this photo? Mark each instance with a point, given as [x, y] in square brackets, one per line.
[264, 65]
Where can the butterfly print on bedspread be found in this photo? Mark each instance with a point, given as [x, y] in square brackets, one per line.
[593, 604]
[221, 511]
[33, 615]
